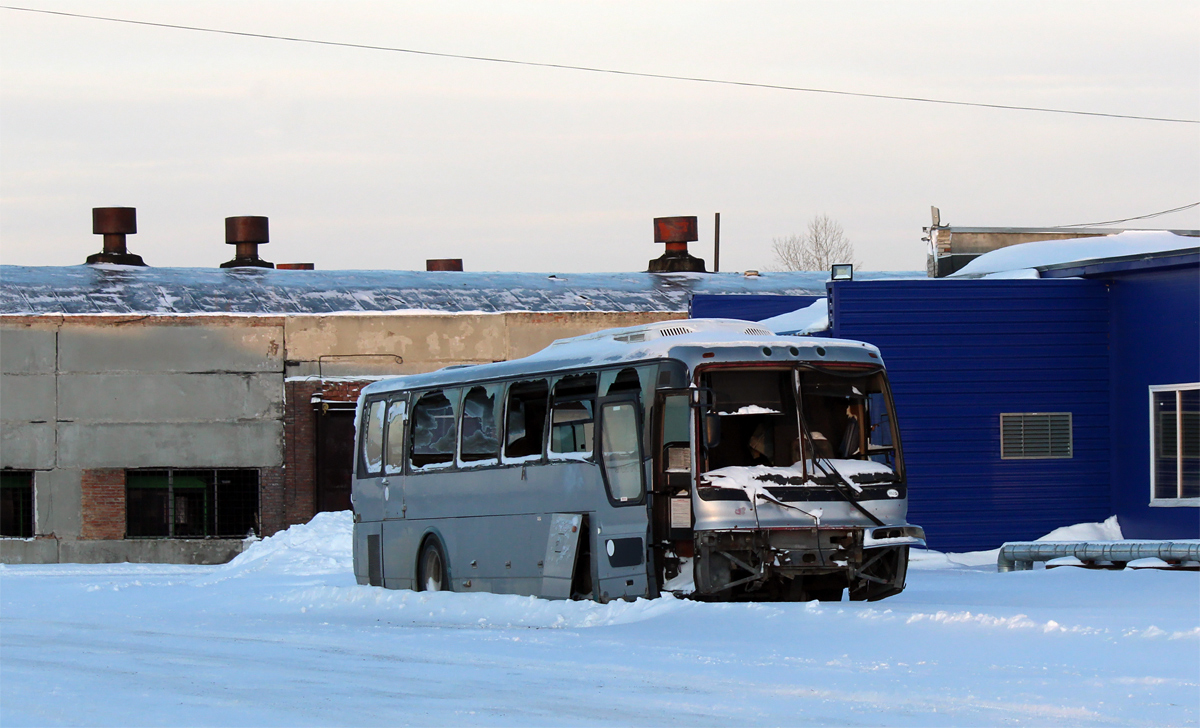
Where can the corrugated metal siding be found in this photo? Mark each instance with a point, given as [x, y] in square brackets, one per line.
[1156, 340]
[961, 352]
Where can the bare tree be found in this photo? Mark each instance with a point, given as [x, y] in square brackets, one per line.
[822, 245]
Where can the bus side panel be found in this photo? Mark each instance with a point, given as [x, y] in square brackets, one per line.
[394, 503]
[500, 519]
[619, 550]
[401, 539]
[561, 487]
[364, 534]
[441, 494]
[490, 516]
[567, 487]
[357, 551]
[500, 554]
[368, 498]
[557, 487]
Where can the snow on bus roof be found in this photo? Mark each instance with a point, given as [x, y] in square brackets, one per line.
[113, 289]
[1045, 253]
[624, 345]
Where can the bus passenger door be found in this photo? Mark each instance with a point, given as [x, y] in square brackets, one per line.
[367, 495]
[395, 537]
[393, 462]
[671, 490]
[622, 527]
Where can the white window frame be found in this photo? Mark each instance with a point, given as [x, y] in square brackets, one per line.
[1170, 502]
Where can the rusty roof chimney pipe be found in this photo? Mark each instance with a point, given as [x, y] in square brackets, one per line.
[247, 233]
[114, 223]
[452, 264]
[676, 232]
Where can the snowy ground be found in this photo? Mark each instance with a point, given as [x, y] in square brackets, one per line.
[283, 636]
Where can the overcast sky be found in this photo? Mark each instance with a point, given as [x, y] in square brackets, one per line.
[369, 159]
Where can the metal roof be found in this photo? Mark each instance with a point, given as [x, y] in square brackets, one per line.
[1122, 264]
[110, 289]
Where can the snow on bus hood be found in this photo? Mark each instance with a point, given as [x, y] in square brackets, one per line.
[755, 478]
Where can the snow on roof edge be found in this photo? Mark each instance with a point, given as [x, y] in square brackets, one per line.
[1046, 253]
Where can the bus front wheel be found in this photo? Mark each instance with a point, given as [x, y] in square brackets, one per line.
[431, 570]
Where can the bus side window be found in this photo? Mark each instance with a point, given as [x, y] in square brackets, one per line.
[372, 438]
[613, 381]
[572, 415]
[571, 426]
[394, 438]
[434, 433]
[676, 434]
[525, 419]
[480, 431]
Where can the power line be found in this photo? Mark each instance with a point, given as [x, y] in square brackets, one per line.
[1129, 219]
[591, 69]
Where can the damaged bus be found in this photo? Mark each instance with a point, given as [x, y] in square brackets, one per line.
[705, 457]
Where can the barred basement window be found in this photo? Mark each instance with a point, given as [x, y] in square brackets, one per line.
[16, 504]
[1035, 435]
[191, 503]
[1175, 445]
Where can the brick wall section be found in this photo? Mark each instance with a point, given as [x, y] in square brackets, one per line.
[342, 391]
[270, 500]
[291, 497]
[103, 504]
[299, 453]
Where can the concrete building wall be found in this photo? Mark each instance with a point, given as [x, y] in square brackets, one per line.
[58, 497]
[28, 354]
[388, 344]
[83, 398]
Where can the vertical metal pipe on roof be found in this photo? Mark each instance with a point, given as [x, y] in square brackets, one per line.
[246, 232]
[717, 243]
[676, 233]
[114, 223]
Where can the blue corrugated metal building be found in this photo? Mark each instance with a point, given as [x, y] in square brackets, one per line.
[1087, 339]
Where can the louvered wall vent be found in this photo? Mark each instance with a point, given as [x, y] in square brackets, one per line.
[755, 331]
[1035, 435]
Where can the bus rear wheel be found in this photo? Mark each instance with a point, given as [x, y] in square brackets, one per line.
[431, 567]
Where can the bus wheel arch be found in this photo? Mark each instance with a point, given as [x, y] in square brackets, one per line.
[433, 570]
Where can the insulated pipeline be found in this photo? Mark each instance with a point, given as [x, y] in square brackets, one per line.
[1020, 555]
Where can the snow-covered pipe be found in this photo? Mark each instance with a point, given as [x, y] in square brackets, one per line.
[1020, 555]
